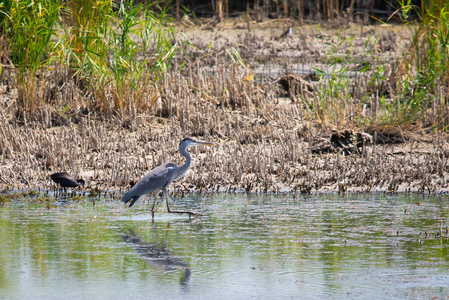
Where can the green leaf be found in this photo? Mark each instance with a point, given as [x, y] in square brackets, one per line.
[65, 108]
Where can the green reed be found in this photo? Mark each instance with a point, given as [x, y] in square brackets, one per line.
[423, 78]
[119, 54]
[115, 53]
[347, 86]
[417, 87]
[28, 28]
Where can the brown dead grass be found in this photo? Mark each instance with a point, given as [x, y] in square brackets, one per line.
[266, 142]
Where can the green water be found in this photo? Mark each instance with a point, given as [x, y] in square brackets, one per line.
[245, 247]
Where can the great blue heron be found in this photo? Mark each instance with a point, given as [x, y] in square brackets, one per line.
[65, 180]
[161, 177]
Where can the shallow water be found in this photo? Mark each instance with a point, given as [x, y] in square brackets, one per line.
[245, 247]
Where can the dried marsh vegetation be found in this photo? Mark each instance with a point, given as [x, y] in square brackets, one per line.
[265, 148]
[316, 110]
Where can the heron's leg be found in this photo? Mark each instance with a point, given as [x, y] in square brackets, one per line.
[178, 211]
[152, 209]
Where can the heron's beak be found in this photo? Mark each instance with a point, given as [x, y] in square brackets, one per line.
[205, 143]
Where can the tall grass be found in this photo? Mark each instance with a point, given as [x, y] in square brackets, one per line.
[29, 27]
[346, 86]
[115, 53]
[423, 79]
[418, 90]
[119, 54]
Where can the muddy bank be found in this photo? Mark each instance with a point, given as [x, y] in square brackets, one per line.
[266, 140]
[252, 154]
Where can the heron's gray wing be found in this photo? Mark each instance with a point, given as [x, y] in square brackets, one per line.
[155, 180]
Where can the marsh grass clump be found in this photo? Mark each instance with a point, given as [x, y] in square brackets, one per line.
[112, 54]
[30, 195]
[119, 54]
[343, 89]
[362, 87]
[43, 199]
[77, 198]
[5, 199]
[28, 28]
[423, 73]
[24, 195]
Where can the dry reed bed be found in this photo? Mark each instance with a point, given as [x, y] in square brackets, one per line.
[263, 145]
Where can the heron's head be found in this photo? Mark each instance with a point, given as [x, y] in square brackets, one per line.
[188, 141]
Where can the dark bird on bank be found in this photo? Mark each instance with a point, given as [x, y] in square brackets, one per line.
[65, 180]
[161, 177]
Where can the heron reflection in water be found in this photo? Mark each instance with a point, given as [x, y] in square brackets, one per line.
[161, 177]
[157, 254]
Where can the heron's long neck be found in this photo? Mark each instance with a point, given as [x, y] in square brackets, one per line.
[186, 165]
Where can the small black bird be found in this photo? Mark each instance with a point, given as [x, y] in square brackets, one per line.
[66, 180]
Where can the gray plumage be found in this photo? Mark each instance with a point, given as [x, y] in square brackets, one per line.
[161, 177]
